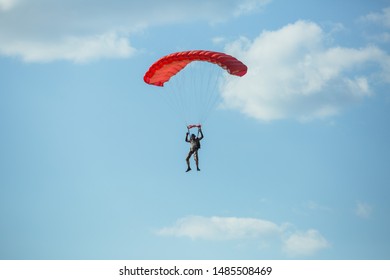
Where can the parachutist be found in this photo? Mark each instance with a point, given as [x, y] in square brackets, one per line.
[196, 86]
[194, 147]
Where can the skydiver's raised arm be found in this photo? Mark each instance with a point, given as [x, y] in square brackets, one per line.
[201, 134]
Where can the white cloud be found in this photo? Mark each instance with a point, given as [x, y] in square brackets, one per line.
[46, 30]
[293, 74]
[232, 228]
[72, 48]
[307, 243]
[363, 210]
[220, 228]
[249, 6]
[6, 5]
[382, 18]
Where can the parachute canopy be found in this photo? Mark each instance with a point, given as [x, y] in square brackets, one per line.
[166, 67]
[194, 92]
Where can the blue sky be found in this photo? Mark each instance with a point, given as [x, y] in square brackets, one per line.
[295, 159]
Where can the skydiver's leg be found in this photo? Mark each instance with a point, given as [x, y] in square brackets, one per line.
[196, 158]
[188, 161]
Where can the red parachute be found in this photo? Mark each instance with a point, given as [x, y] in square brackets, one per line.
[168, 66]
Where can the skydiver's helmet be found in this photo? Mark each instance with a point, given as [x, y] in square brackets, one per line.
[192, 136]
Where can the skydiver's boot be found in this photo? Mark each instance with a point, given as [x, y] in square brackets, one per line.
[188, 169]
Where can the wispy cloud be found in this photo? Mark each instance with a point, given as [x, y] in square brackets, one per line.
[45, 30]
[77, 49]
[6, 5]
[249, 6]
[315, 206]
[363, 210]
[293, 74]
[382, 18]
[306, 243]
[220, 228]
[232, 228]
